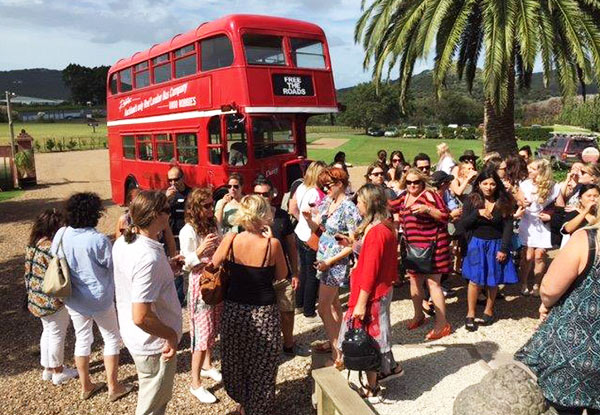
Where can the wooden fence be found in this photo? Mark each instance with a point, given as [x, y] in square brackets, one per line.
[334, 396]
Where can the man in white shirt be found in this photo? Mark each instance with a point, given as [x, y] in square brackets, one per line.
[149, 317]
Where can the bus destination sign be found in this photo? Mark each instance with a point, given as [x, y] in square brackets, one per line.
[293, 85]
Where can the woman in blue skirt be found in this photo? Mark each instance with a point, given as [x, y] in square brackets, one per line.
[487, 223]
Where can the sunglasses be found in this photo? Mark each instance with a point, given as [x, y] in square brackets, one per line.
[379, 173]
[424, 168]
[173, 180]
[233, 186]
[263, 194]
[396, 160]
[207, 205]
[327, 186]
[414, 182]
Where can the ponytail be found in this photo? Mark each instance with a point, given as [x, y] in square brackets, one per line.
[130, 233]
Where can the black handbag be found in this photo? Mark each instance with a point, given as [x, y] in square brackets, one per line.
[420, 259]
[360, 350]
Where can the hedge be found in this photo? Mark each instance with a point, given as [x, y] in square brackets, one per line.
[533, 134]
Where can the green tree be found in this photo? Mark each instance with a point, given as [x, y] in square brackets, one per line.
[86, 84]
[565, 34]
[365, 107]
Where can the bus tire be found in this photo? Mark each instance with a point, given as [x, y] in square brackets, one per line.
[130, 184]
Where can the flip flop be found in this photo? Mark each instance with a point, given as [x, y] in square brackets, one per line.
[116, 396]
[88, 394]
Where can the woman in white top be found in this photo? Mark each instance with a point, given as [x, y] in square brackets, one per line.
[199, 238]
[538, 192]
[307, 198]
[445, 163]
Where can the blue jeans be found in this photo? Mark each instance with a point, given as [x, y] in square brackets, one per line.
[306, 295]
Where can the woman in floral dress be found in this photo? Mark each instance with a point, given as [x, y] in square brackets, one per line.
[338, 217]
[199, 239]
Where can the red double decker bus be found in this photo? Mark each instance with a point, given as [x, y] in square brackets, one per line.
[232, 95]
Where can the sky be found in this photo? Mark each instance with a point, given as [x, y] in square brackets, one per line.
[53, 33]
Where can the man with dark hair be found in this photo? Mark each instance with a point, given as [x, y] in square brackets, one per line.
[423, 163]
[282, 229]
[177, 193]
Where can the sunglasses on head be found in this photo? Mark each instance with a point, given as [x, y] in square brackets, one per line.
[415, 182]
[233, 186]
[173, 180]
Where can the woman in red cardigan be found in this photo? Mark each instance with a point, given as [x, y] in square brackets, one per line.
[371, 281]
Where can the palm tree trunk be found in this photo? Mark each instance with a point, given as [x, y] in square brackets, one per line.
[499, 128]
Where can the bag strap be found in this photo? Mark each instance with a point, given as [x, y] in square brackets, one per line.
[267, 254]
[60, 244]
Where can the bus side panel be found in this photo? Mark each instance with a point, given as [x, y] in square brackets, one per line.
[115, 153]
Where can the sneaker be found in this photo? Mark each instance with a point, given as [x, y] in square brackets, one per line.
[535, 291]
[203, 395]
[525, 292]
[63, 377]
[212, 373]
[47, 375]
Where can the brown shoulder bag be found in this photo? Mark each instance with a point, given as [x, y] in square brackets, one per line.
[213, 281]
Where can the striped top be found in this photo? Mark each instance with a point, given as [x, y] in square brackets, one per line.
[37, 259]
[422, 229]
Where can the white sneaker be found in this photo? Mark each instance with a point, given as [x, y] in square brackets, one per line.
[203, 395]
[212, 373]
[47, 374]
[64, 376]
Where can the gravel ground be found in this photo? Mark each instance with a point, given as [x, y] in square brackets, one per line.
[435, 373]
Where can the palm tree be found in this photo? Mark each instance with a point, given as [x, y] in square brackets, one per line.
[564, 34]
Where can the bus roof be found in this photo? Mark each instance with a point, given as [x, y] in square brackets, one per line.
[228, 24]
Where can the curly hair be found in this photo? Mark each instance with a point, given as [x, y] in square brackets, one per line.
[333, 174]
[197, 215]
[543, 181]
[504, 200]
[253, 213]
[46, 225]
[83, 210]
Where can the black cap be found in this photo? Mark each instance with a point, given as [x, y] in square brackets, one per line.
[468, 154]
[440, 177]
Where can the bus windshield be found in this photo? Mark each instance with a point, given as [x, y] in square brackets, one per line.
[272, 136]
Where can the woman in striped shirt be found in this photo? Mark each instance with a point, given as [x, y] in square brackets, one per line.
[424, 218]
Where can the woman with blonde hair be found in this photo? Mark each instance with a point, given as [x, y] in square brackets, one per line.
[250, 328]
[461, 186]
[445, 163]
[307, 198]
[199, 239]
[538, 192]
[424, 221]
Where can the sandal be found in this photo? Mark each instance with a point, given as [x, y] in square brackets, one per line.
[415, 324]
[95, 389]
[433, 335]
[372, 395]
[470, 324]
[398, 372]
[324, 347]
[430, 310]
[487, 320]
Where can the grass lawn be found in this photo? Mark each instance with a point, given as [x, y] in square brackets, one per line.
[9, 194]
[558, 128]
[362, 149]
[41, 131]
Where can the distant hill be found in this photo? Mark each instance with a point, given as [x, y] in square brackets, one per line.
[422, 86]
[38, 83]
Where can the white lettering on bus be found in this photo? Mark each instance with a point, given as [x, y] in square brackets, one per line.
[187, 102]
[294, 84]
[160, 96]
[269, 173]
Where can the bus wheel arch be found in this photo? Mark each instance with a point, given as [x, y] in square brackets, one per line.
[130, 184]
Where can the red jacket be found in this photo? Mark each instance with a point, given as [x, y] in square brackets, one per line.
[377, 266]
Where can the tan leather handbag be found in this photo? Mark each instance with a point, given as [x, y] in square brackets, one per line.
[57, 279]
[213, 281]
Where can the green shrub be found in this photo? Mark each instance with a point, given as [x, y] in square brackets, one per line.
[71, 144]
[37, 145]
[50, 144]
[533, 134]
[60, 146]
[448, 133]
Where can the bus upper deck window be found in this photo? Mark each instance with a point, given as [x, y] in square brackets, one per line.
[308, 53]
[142, 75]
[125, 78]
[263, 49]
[113, 84]
[217, 52]
[185, 61]
[161, 68]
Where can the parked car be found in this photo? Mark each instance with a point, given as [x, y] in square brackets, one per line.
[452, 125]
[411, 132]
[564, 150]
[375, 132]
[392, 132]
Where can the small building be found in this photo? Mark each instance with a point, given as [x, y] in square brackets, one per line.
[22, 100]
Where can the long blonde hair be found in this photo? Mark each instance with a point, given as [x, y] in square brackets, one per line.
[311, 177]
[376, 204]
[543, 181]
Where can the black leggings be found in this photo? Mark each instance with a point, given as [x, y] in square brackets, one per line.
[563, 410]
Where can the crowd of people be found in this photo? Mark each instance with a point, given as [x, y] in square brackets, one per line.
[489, 220]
